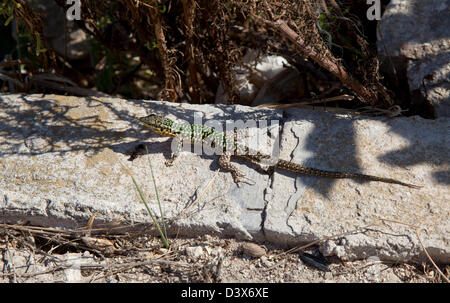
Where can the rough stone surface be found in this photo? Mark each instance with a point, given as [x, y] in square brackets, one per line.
[415, 34]
[62, 162]
[306, 208]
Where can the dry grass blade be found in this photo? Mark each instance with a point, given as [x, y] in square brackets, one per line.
[300, 248]
[431, 259]
[162, 230]
[137, 264]
[307, 103]
[201, 194]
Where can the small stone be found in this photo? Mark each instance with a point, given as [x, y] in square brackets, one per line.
[194, 252]
[390, 277]
[163, 250]
[253, 250]
[209, 250]
[213, 251]
[266, 262]
[207, 237]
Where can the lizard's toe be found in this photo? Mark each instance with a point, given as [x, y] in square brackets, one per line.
[238, 176]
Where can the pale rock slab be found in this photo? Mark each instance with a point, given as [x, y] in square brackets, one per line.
[307, 208]
[414, 36]
[62, 161]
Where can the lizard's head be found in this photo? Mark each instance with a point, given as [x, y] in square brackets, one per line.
[158, 124]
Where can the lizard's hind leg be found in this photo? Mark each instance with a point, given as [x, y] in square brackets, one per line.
[174, 155]
[224, 162]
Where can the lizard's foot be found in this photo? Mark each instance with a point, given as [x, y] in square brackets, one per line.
[224, 162]
[169, 162]
[238, 176]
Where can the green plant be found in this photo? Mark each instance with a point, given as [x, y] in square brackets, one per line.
[160, 227]
[28, 25]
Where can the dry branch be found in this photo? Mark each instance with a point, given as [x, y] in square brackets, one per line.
[169, 92]
[325, 62]
[189, 15]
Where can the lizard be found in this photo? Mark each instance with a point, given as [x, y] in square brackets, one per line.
[200, 134]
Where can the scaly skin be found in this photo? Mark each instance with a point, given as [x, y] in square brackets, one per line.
[203, 134]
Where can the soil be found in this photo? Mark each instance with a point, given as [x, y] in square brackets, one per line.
[202, 259]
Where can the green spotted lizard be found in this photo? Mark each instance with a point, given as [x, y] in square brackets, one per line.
[199, 134]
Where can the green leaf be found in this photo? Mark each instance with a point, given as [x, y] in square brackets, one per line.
[8, 20]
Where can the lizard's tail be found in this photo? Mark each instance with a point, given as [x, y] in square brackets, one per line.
[297, 168]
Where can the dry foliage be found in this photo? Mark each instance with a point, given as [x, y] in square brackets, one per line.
[192, 46]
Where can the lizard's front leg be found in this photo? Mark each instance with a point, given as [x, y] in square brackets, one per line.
[178, 142]
[224, 162]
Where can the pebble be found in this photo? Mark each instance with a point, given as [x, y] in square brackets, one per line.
[194, 252]
[253, 250]
[266, 262]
